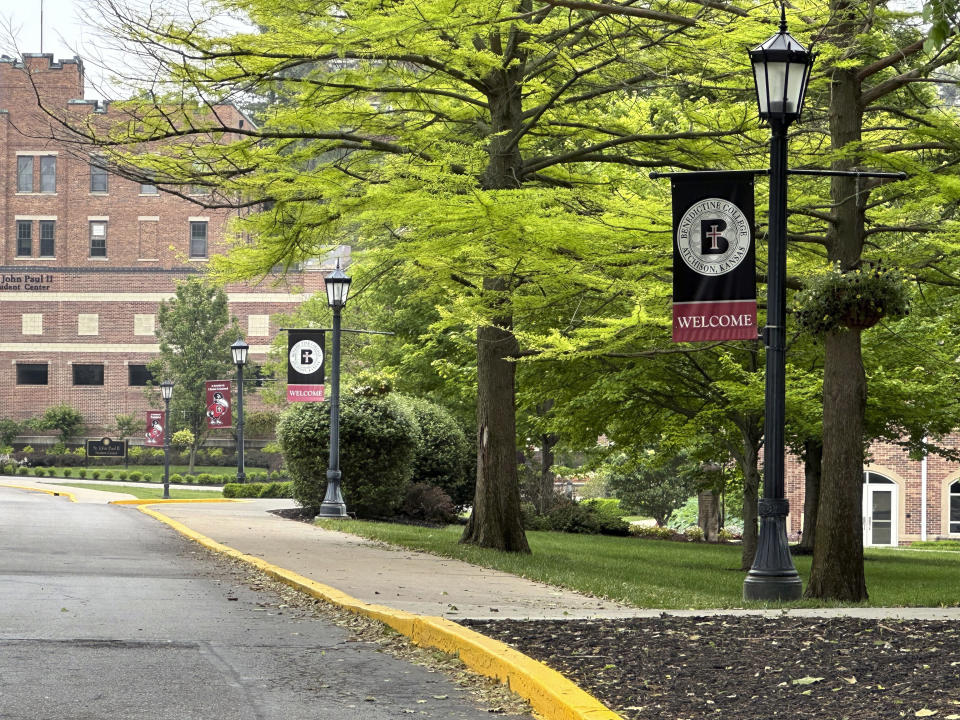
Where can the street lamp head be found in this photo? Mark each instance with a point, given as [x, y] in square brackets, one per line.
[239, 351]
[781, 71]
[337, 284]
[166, 389]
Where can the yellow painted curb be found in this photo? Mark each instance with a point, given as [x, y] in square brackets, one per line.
[550, 694]
[156, 501]
[70, 496]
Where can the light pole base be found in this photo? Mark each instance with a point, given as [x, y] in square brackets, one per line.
[333, 505]
[773, 577]
[332, 510]
[772, 588]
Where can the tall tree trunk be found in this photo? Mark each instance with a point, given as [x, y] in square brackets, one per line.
[496, 521]
[546, 476]
[837, 571]
[750, 465]
[812, 467]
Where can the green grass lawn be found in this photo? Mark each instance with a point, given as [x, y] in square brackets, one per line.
[664, 574]
[149, 492]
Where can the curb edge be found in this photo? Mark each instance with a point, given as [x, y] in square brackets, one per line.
[550, 694]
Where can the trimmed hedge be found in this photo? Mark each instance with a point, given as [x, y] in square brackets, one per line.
[378, 442]
[444, 457]
[569, 516]
[259, 490]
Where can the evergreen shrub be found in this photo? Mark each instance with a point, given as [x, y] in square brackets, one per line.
[444, 457]
[378, 440]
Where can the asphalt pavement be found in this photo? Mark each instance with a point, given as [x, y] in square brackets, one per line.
[107, 613]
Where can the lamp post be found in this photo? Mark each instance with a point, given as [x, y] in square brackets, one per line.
[337, 285]
[166, 392]
[781, 69]
[239, 351]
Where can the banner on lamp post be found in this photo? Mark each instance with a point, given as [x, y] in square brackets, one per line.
[156, 422]
[218, 404]
[714, 262]
[305, 365]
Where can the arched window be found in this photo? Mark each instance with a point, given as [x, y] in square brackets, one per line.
[955, 508]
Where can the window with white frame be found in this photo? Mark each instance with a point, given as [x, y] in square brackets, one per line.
[24, 238]
[25, 173]
[48, 235]
[48, 173]
[198, 239]
[98, 174]
[98, 238]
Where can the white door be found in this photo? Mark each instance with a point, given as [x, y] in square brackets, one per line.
[879, 512]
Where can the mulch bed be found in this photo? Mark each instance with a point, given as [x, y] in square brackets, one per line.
[751, 668]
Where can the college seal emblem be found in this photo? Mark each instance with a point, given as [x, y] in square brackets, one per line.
[713, 236]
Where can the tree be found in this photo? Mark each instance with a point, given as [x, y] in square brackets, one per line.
[195, 332]
[485, 151]
[651, 484]
[9, 429]
[65, 419]
[875, 115]
[128, 425]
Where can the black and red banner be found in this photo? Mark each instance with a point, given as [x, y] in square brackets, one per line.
[218, 404]
[714, 264]
[156, 422]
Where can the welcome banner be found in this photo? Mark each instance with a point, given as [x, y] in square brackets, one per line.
[714, 265]
[305, 365]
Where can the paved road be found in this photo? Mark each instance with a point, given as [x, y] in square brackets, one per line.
[105, 613]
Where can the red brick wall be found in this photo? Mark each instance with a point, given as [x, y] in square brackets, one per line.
[145, 258]
[895, 464]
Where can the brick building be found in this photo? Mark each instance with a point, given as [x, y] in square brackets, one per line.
[904, 500]
[86, 256]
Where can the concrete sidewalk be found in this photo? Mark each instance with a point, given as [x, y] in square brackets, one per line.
[413, 581]
[379, 574]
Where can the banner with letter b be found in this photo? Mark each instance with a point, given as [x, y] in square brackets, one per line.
[305, 366]
[714, 263]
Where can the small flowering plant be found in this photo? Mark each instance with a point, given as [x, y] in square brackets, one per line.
[858, 298]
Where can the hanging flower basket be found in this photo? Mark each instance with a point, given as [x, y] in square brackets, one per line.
[857, 299]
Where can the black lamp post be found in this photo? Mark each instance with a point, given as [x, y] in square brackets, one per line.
[166, 392]
[781, 69]
[239, 350]
[337, 285]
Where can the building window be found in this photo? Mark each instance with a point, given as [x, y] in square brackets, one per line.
[87, 374]
[98, 238]
[198, 239]
[98, 175]
[31, 324]
[48, 173]
[24, 173]
[48, 233]
[24, 238]
[955, 508]
[148, 189]
[88, 324]
[31, 373]
[139, 375]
